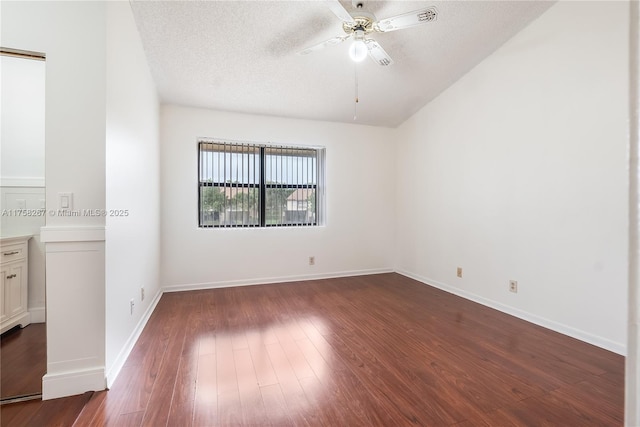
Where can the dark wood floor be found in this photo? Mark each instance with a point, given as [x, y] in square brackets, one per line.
[372, 350]
[50, 413]
[23, 360]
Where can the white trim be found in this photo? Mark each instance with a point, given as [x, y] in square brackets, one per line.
[72, 382]
[74, 246]
[269, 280]
[53, 234]
[632, 363]
[120, 360]
[38, 314]
[24, 181]
[8, 240]
[619, 348]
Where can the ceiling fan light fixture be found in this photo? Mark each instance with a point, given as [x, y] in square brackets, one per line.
[358, 51]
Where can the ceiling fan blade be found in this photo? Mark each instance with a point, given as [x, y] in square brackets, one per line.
[324, 44]
[339, 11]
[407, 20]
[377, 53]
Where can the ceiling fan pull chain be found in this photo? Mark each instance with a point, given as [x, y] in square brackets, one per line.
[355, 105]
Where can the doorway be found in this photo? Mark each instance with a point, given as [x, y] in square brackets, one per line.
[22, 207]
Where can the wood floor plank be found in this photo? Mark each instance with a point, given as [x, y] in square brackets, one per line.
[514, 377]
[275, 406]
[239, 341]
[206, 343]
[18, 414]
[184, 392]
[230, 411]
[206, 398]
[50, 414]
[144, 368]
[225, 365]
[181, 410]
[54, 413]
[314, 359]
[590, 399]
[551, 411]
[290, 387]
[403, 402]
[318, 412]
[298, 362]
[90, 410]
[111, 404]
[157, 411]
[260, 357]
[132, 419]
[253, 412]
[151, 332]
[312, 328]
[24, 360]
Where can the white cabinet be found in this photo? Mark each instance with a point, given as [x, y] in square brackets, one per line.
[14, 266]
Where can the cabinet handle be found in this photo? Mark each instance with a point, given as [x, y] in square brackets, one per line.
[11, 253]
[11, 276]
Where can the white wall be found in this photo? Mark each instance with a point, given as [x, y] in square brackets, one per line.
[22, 122]
[358, 237]
[72, 35]
[75, 95]
[133, 185]
[518, 171]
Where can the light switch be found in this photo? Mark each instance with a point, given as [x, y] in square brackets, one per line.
[65, 200]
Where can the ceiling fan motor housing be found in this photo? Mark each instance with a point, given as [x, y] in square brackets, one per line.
[361, 21]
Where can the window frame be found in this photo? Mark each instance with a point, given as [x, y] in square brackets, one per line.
[265, 150]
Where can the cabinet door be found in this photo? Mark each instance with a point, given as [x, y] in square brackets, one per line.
[14, 296]
[3, 291]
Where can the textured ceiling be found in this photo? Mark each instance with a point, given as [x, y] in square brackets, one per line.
[242, 55]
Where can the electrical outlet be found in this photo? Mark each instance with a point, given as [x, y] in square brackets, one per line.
[142, 293]
[459, 272]
[131, 304]
[312, 260]
[513, 286]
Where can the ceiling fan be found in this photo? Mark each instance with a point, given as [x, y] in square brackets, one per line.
[359, 24]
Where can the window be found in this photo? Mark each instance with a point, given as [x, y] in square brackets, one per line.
[253, 185]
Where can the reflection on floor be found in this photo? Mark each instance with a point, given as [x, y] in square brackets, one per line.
[23, 360]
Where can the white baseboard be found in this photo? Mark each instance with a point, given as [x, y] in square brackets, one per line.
[619, 348]
[38, 314]
[72, 383]
[115, 369]
[269, 280]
